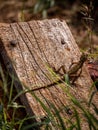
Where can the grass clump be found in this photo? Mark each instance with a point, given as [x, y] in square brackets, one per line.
[77, 112]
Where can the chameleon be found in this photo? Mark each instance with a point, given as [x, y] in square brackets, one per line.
[71, 71]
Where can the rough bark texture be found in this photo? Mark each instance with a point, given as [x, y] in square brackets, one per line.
[29, 50]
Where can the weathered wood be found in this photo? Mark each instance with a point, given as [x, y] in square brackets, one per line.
[30, 49]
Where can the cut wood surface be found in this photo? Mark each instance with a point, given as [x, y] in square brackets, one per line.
[30, 50]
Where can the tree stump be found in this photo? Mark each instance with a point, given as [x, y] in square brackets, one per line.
[30, 51]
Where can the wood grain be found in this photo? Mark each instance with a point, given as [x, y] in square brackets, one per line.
[30, 50]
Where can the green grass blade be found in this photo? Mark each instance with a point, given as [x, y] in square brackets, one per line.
[86, 113]
[95, 108]
[67, 80]
[57, 113]
[77, 119]
[11, 91]
[91, 97]
[4, 81]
